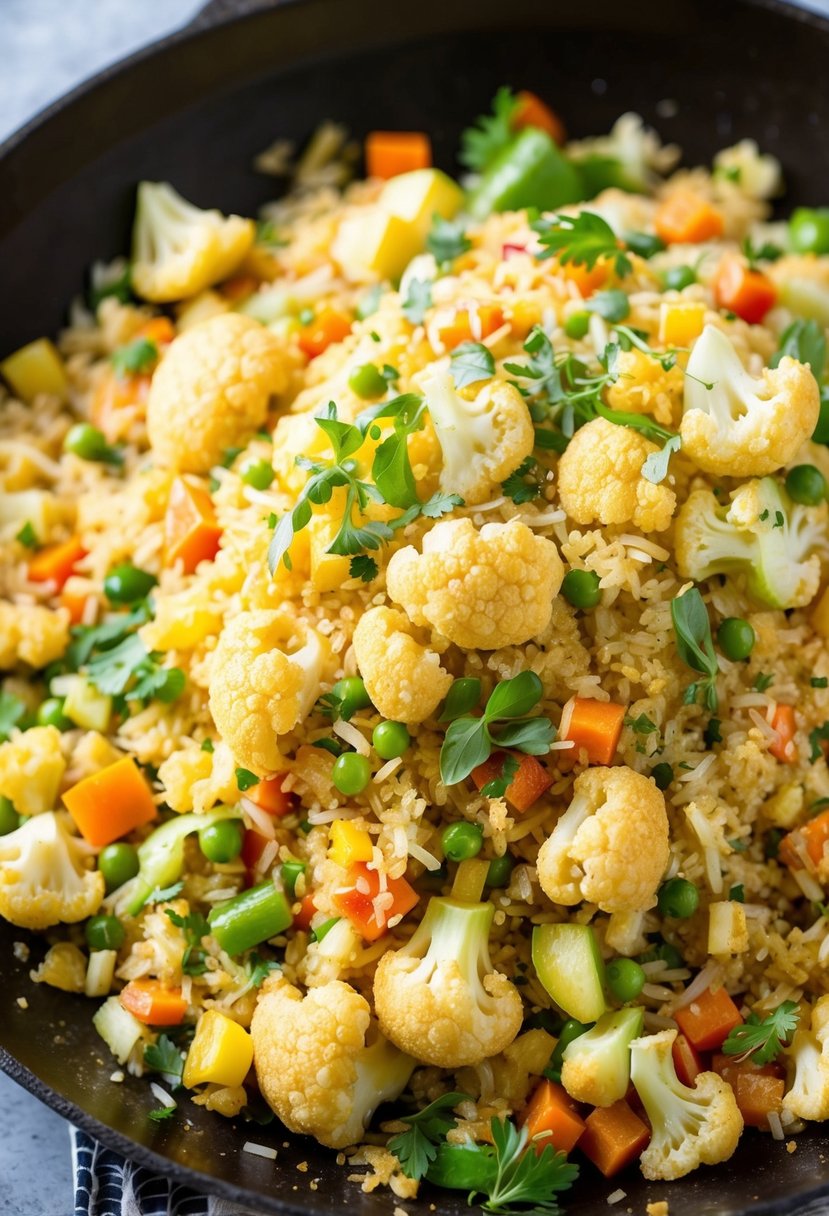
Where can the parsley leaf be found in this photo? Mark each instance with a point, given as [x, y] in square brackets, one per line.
[363, 567]
[135, 358]
[162, 1113]
[260, 969]
[418, 300]
[469, 741]
[545, 387]
[447, 239]
[245, 779]
[440, 504]
[28, 537]
[518, 487]
[762, 682]
[655, 467]
[161, 895]
[692, 631]
[130, 671]
[613, 305]
[416, 1148]
[763, 1039]
[471, 362]
[641, 725]
[12, 710]
[581, 239]
[806, 342]
[819, 682]
[195, 927]
[163, 1056]
[767, 252]
[118, 285]
[491, 133]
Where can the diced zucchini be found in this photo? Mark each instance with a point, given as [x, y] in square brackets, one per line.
[569, 964]
[806, 298]
[27, 506]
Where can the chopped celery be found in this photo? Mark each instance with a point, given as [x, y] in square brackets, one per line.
[161, 855]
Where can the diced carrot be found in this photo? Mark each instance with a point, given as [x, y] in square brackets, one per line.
[391, 152]
[707, 1020]
[551, 1110]
[586, 280]
[613, 1137]
[118, 401]
[330, 325]
[153, 1004]
[110, 803]
[807, 841]
[307, 908]
[783, 722]
[747, 293]
[74, 602]
[529, 783]
[466, 328]
[687, 1061]
[270, 796]
[594, 726]
[160, 330]
[533, 112]
[239, 287]
[758, 1096]
[358, 904]
[191, 533]
[55, 563]
[684, 218]
[730, 1067]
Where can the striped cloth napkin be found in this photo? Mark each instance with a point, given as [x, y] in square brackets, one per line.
[108, 1185]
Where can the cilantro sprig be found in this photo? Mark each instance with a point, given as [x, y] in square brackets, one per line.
[135, 358]
[692, 630]
[163, 1056]
[417, 1147]
[581, 240]
[505, 723]
[481, 143]
[194, 927]
[447, 240]
[762, 1039]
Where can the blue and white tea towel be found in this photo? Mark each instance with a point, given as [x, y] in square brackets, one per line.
[108, 1185]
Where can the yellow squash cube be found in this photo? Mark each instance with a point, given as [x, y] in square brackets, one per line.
[415, 197]
[348, 844]
[221, 1052]
[680, 321]
[375, 245]
[35, 368]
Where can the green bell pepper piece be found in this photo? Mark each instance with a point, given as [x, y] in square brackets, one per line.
[530, 172]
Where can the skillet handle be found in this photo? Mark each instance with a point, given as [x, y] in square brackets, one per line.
[217, 12]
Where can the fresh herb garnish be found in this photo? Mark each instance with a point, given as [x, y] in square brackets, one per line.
[738, 893]
[469, 741]
[641, 725]
[163, 1056]
[135, 358]
[162, 1113]
[27, 536]
[363, 567]
[806, 342]
[118, 285]
[194, 927]
[447, 239]
[12, 711]
[418, 300]
[464, 695]
[471, 362]
[207, 746]
[762, 682]
[754, 254]
[712, 733]
[260, 969]
[521, 486]
[581, 239]
[816, 737]
[416, 1148]
[129, 672]
[692, 630]
[162, 895]
[245, 779]
[498, 786]
[762, 1039]
[613, 305]
[491, 133]
[819, 682]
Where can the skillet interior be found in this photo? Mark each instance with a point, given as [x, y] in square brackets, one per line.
[195, 110]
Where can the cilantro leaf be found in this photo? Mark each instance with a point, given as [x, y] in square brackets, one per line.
[806, 342]
[416, 1148]
[641, 725]
[491, 133]
[418, 300]
[163, 1056]
[363, 567]
[195, 927]
[12, 710]
[655, 467]
[162, 895]
[260, 969]
[440, 504]
[118, 285]
[135, 358]
[517, 487]
[817, 736]
[471, 362]
[245, 779]
[447, 239]
[762, 1039]
[130, 671]
[613, 305]
[27, 536]
[767, 252]
[692, 630]
[89, 638]
[162, 1113]
[581, 239]
[762, 682]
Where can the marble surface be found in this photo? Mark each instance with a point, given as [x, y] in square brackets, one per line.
[48, 46]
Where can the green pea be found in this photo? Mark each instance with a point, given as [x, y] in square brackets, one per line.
[679, 277]
[500, 871]
[352, 696]
[809, 230]
[581, 588]
[625, 979]
[9, 818]
[367, 381]
[663, 775]
[577, 324]
[50, 713]
[806, 484]
[390, 739]
[127, 583]
[104, 933]
[351, 773]
[736, 638]
[258, 474]
[678, 898]
[87, 442]
[570, 1030]
[221, 841]
[462, 840]
[118, 863]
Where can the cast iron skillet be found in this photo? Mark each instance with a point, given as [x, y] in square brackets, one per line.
[195, 109]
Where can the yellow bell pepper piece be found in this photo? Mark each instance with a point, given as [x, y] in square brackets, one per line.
[35, 368]
[680, 322]
[348, 844]
[221, 1052]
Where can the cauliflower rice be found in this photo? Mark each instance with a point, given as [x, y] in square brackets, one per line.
[272, 534]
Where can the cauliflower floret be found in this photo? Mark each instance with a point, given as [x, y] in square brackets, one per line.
[403, 677]
[600, 479]
[438, 997]
[320, 1063]
[757, 174]
[596, 1066]
[257, 690]
[178, 249]
[690, 1126]
[481, 589]
[631, 156]
[645, 387]
[734, 425]
[611, 844]
[483, 440]
[808, 1056]
[31, 634]
[43, 881]
[762, 534]
[31, 768]
[211, 391]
